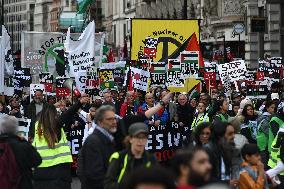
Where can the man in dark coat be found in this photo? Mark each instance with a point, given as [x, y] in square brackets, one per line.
[25, 154]
[33, 109]
[97, 149]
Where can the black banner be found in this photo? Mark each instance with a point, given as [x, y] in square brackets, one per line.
[164, 140]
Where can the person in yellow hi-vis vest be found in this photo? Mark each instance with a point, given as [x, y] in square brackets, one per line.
[122, 163]
[201, 116]
[51, 143]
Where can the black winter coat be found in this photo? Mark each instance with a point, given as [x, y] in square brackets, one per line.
[26, 156]
[31, 114]
[94, 159]
[116, 165]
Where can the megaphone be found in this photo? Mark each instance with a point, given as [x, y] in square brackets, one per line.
[69, 84]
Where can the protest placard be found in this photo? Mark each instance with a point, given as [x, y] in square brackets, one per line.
[23, 128]
[235, 70]
[189, 62]
[140, 79]
[174, 79]
[163, 140]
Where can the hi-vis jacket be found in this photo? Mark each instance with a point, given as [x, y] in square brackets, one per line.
[121, 164]
[50, 157]
[199, 119]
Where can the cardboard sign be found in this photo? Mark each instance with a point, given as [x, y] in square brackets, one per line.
[140, 79]
[81, 80]
[60, 90]
[24, 126]
[45, 77]
[174, 79]
[257, 89]
[235, 70]
[22, 78]
[189, 64]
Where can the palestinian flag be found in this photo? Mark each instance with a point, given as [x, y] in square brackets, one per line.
[173, 65]
[189, 57]
[158, 67]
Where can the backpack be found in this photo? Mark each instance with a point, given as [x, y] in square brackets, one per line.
[9, 171]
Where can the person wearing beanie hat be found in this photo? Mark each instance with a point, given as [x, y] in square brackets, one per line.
[122, 163]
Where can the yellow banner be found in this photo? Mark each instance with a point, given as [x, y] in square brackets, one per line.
[188, 85]
[160, 38]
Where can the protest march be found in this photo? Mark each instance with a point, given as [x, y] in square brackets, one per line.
[157, 118]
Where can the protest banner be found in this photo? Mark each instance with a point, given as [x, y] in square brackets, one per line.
[189, 64]
[174, 65]
[235, 70]
[227, 86]
[140, 79]
[257, 89]
[120, 64]
[6, 59]
[42, 51]
[85, 52]
[9, 86]
[160, 40]
[106, 78]
[75, 139]
[47, 79]
[163, 140]
[188, 83]
[174, 79]
[92, 81]
[24, 127]
[60, 90]
[80, 80]
[22, 78]
[158, 74]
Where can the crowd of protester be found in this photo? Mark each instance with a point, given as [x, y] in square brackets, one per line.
[232, 141]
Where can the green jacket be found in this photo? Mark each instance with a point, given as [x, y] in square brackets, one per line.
[222, 117]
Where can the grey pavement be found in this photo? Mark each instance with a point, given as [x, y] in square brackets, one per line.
[76, 184]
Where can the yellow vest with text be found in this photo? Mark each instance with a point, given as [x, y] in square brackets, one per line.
[52, 156]
[274, 156]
